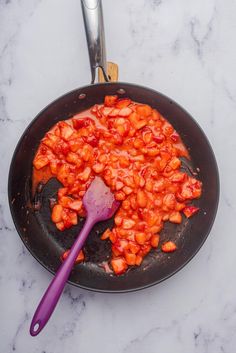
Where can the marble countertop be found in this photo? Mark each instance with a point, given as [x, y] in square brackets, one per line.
[185, 49]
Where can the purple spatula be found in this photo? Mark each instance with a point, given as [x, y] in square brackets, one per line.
[100, 205]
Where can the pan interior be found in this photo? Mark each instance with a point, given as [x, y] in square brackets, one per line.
[46, 243]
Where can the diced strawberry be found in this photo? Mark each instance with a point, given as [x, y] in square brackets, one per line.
[189, 211]
[60, 226]
[174, 163]
[123, 103]
[66, 130]
[175, 217]
[71, 219]
[75, 205]
[124, 128]
[142, 198]
[98, 167]
[179, 206]
[54, 167]
[65, 201]
[86, 152]
[61, 192]
[138, 143]
[85, 174]
[57, 213]
[125, 111]
[169, 201]
[82, 122]
[120, 195]
[139, 260]
[114, 112]
[116, 138]
[110, 101]
[140, 238]
[106, 111]
[74, 144]
[155, 240]
[158, 138]
[145, 249]
[167, 129]
[113, 236]
[79, 258]
[128, 223]
[121, 245]
[127, 190]
[118, 220]
[106, 234]
[40, 162]
[144, 110]
[92, 140]
[72, 157]
[119, 265]
[169, 246]
[130, 258]
[175, 137]
[134, 247]
[178, 177]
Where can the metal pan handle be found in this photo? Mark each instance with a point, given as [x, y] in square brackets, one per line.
[94, 28]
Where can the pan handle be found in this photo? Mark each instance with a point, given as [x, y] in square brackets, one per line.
[94, 28]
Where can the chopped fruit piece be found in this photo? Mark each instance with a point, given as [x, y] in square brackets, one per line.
[155, 240]
[175, 217]
[127, 190]
[79, 258]
[189, 211]
[40, 161]
[75, 205]
[144, 110]
[85, 174]
[142, 198]
[98, 167]
[125, 111]
[123, 103]
[169, 246]
[66, 131]
[119, 265]
[118, 220]
[139, 260]
[62, 192]
[174, 163]
[134, 247]
[60, 226]
[106, 234]
[83, 122]
[57, 213]
[159, 138]
[175, 137]
[110, 101]
[128, 223]
[130, 258]
[140, 238]
[92, 140]
[120, 195]
[169, 201]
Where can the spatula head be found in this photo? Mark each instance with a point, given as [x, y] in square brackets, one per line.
[99, 201]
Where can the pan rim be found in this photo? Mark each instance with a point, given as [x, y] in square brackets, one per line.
[137, 288]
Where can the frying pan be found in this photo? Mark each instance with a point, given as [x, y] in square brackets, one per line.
[35, 227]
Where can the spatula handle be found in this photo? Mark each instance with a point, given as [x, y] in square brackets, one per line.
[53, 293]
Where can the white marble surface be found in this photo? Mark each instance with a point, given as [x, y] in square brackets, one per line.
[184, 48]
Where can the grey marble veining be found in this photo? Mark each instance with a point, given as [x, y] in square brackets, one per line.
[185, 49]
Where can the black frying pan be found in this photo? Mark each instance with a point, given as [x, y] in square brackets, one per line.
[39, 234]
